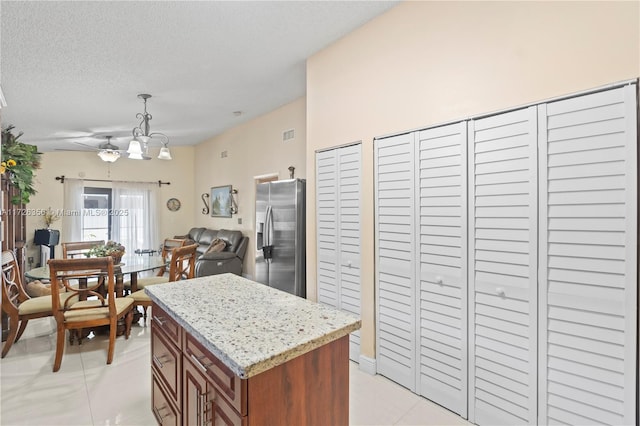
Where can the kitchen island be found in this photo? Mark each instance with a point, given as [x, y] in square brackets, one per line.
[227, 350]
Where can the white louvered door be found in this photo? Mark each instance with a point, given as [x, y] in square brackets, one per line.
[535, 248]
[395, 259]
[588, 259]
[503, 269]
[338, 173]
[327, 227]
[441, 173]
[349, 187]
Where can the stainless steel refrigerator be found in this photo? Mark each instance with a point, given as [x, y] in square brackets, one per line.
[280, 235]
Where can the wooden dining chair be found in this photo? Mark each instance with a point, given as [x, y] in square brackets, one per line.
[181, 266]
[167, 248]
[16, 303]
[93, 309]
[80, 249]
[75, 249]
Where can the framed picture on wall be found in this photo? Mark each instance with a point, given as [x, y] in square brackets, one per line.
[221, 201]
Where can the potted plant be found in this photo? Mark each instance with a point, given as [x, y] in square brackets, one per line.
[49, 217]
[111, 248]
[19, 160]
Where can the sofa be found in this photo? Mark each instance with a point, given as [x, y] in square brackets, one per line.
[209, 262]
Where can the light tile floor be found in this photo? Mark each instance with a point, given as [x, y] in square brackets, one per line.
[86, 391]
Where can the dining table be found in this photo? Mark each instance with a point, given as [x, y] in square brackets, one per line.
[130, 265]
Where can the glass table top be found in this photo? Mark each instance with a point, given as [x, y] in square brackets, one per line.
[130, 264]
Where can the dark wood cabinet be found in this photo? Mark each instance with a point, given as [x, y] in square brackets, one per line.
[193, 387]
[14, 232]
[165, 412]
[203, 402]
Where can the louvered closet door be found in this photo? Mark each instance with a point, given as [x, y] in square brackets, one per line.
[442, 266]
[326, 227]
[349, 171]
[502, 268]
[338, 184]
[588, 221]
[395, 252]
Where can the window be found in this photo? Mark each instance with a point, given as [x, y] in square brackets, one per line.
[96, 223]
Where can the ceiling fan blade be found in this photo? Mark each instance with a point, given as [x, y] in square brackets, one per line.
[91, 147]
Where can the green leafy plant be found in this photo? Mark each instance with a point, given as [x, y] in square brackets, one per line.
[111, 248]
[19, 160]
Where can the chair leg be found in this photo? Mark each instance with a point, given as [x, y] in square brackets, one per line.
[23, 325]
[59, 347]
[128, 320]
[13, 331]
[144, 314]
[112, 339]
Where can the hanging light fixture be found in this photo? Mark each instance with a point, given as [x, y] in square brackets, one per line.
[139, 145]
[108, 153]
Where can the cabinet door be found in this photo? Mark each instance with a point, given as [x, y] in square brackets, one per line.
[203, 404]
[166, 362]
[163, 410]
[395, 259]
[442, 265]
[503, 268]
[195, 400]
[588, 259]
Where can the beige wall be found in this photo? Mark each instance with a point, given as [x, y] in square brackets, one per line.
[424, 63]
[179, 172]
[253, 149]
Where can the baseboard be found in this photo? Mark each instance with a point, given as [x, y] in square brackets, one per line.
[368, 365]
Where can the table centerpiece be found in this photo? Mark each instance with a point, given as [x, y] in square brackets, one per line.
[111, 248]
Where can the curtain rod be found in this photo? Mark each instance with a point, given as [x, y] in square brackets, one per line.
[160, 183]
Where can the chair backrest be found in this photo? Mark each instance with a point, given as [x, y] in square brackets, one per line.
[79, 277]
[183, 263]
[78, 248]
[12, 291]
[170, 244]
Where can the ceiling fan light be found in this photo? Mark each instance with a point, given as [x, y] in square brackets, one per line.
[108, 155]
[164, 154]
[136, 156]
[135, 150]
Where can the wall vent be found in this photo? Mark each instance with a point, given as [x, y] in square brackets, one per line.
[288, 135]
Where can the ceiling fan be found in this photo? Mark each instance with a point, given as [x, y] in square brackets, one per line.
[107, 151]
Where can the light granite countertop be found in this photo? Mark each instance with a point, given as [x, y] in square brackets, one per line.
[248, 326]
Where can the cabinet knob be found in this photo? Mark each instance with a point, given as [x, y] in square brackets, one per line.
[439, 280]
[500, 291]
[349, 264]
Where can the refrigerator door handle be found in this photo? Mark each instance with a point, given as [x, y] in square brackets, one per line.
[267, 247]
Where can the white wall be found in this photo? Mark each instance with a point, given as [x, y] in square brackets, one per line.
[253, 149]
[424, 63]
[178, 171]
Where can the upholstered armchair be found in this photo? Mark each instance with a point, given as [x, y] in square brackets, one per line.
[214, 258]
[229, 259]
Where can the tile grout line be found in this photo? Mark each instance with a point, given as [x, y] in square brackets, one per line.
[86, 386]
[402, 416]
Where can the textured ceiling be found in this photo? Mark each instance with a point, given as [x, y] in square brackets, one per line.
[71, 71]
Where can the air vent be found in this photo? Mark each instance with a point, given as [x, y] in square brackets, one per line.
[288, 135]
